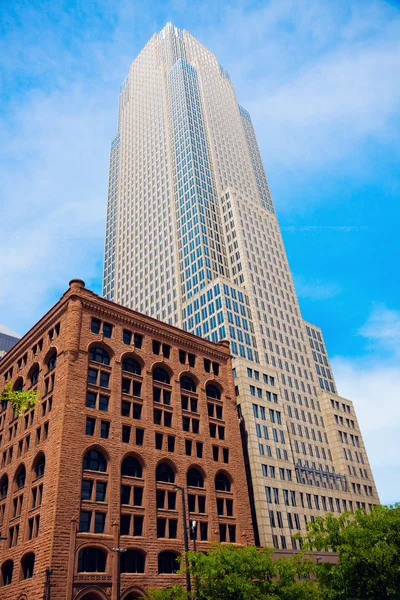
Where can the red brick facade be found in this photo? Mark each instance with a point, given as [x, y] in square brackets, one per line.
[130, 408]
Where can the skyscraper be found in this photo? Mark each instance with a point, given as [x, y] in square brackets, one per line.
[192, 239]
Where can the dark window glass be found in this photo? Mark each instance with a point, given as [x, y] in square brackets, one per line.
[103, 402]
[222, 532]
[137, 411]
[132, 561]
[157, 414]
[165, 473]
[137, 525]
[86, 490]
[90, 425]
[84, 520]
[213, 392]
[168, 419]
[91, 560]
[137, 496]
[156, 347]
[168, 563]
[125, 524]
[203, 531]
[186, 423]
[126, 433]
[195, 478]
[225, 454]
[160, 374]
[94, 461]
[125, 494]
[192, 502]
[101, 488]
[131, 467]
[28, 564]
[91, 398]
[139, 437]
[188, 384]
[159, 441]
[215, 452]
[232, 533]
[160, 498]
[171, 500]
[125, 408]
[99, 522]
[166, 350]
[182, 356]
[202, 504]
[51, 364]
[126, 337]
[99, 355]
[137, 340]
[161, 523]
[92, 376]
[199, 449]
[126, 385]
[171, 443]
[137, 388]
[173, 526]
[131, 365]
[95, 325]
[104, 379]
[222, 483]
[107, 330]
[104, 429]
[220, 506]
[188, 447]
[195, 426]
[192, 360]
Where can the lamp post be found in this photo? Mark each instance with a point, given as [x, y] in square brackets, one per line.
[193, 527]
[185, 537]
[119, 551]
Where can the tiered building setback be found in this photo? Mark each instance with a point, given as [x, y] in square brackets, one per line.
[192, 239]
[134, 415]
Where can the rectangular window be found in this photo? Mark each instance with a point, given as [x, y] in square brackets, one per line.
[95, 325]
[104, 429]
[90, 425]
[101, 488]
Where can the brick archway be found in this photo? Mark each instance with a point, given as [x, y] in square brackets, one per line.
[91, 593]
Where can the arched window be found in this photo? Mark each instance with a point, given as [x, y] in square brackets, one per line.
[168, 562]
[3, 486]
[18, 385]
[7, 572]
[99, 355]
[92, 560]
[222, 483]
[160, 374]
[131, 467]
[165, 473]
[195, 478]
[94, 461]
[39, 465]
[35, 375]
[132, 561]
[134, 596]
[52, 361]
[213, 392]
[28, 564]
[20, 477]
[188, 384]
[131, 365]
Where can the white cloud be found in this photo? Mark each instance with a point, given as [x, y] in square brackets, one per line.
[372, 382]
[383, 329]
[316, 289]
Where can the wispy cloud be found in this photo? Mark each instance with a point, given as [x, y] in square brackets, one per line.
[316, 289]
[372, 381]
[382, 329]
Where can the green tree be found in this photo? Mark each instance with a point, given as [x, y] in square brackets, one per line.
[369, 554]
[20, 400]
[245, 573]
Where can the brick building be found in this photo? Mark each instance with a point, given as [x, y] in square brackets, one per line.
[130, 411]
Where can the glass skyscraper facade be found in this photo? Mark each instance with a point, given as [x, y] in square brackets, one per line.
[192, 239]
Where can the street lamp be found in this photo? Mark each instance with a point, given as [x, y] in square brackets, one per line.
[193, 527]
[185, 537]
[119, 551]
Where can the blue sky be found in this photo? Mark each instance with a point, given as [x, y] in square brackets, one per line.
[321, 81]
